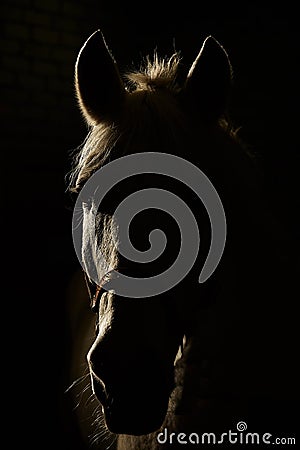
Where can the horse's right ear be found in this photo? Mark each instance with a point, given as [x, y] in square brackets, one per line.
[98, 84]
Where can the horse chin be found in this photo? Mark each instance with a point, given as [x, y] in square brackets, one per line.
[131, 419]
[137, 408]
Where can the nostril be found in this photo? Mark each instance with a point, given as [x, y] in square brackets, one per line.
[99, 390]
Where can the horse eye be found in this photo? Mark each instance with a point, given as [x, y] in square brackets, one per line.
[95, 300]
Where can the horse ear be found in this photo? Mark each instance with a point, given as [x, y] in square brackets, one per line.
[209, 80]
[98, 84]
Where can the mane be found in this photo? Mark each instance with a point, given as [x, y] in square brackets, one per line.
[156, 73]
[156, 84]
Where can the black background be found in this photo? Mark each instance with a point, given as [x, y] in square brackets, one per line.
[41, 126]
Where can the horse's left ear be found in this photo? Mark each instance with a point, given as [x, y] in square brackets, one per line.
[209, 80]
[98, 84]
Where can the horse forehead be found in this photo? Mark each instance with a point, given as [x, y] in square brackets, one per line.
[152, 101]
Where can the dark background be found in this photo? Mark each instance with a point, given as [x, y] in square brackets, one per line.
[41, 125]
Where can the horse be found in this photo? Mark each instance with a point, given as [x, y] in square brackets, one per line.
[197, 359]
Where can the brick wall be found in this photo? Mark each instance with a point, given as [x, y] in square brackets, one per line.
[38, 49]
[40, 125]
[40, 120]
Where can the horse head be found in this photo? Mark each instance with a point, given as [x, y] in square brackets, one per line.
[131, 360]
